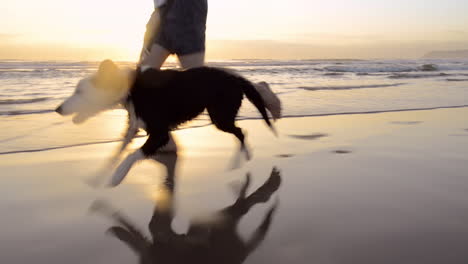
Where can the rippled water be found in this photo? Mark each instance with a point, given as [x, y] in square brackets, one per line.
[306, 87]
[31, 90]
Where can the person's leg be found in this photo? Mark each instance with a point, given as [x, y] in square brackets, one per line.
[150, 33]
[156, 57]
[192, 60]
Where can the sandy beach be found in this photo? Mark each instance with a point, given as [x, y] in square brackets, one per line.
[369, 164]
[370, 188]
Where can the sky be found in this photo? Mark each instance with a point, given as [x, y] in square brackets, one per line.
[241, 29]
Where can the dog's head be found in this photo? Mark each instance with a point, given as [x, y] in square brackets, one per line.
[98, 92]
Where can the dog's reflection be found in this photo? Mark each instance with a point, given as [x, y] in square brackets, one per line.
[214, 241]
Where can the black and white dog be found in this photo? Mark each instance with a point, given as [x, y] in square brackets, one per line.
[160, 100]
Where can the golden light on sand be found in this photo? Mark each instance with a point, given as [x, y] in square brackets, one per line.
[162, 196]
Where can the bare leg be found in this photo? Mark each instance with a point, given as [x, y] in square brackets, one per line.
[151, 28]
[156, 57]
[192, 60]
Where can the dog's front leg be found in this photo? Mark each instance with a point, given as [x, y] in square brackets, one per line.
[148, 149]
[128, 137]
[101, 174]
[130, 133]
[125, 166]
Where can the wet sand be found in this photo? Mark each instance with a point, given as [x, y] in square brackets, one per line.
[376, 188]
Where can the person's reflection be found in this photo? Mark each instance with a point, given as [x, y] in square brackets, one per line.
[209, 242]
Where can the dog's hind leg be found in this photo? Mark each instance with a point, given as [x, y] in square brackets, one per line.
[236, 131]
[240, 135]
[223, 115]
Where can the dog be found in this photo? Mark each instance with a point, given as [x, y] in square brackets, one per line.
[158, 101]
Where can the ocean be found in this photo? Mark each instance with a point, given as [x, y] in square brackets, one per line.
[30, 90]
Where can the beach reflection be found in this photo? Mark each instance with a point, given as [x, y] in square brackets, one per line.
[213, 240]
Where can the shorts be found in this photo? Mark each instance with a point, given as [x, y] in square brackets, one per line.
[182, 27]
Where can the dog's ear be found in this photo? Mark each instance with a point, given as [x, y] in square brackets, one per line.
[107, 75]
[107, 67]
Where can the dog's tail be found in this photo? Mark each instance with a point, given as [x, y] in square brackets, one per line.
[256, 99]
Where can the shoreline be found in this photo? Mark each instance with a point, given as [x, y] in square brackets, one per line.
[238, 120]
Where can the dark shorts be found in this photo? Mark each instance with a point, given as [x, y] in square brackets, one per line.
[182, 28]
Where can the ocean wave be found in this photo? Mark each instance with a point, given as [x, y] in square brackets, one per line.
[428, 67]
[334, 74]
[452, 67]
[369, 68]
[417, 75]
[350, 87]
[22, 101]
[266, 62]
[382, 67]
[456, 80]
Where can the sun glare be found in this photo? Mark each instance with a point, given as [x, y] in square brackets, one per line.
[90, 29]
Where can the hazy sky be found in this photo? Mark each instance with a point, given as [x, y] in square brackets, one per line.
[298, 29]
